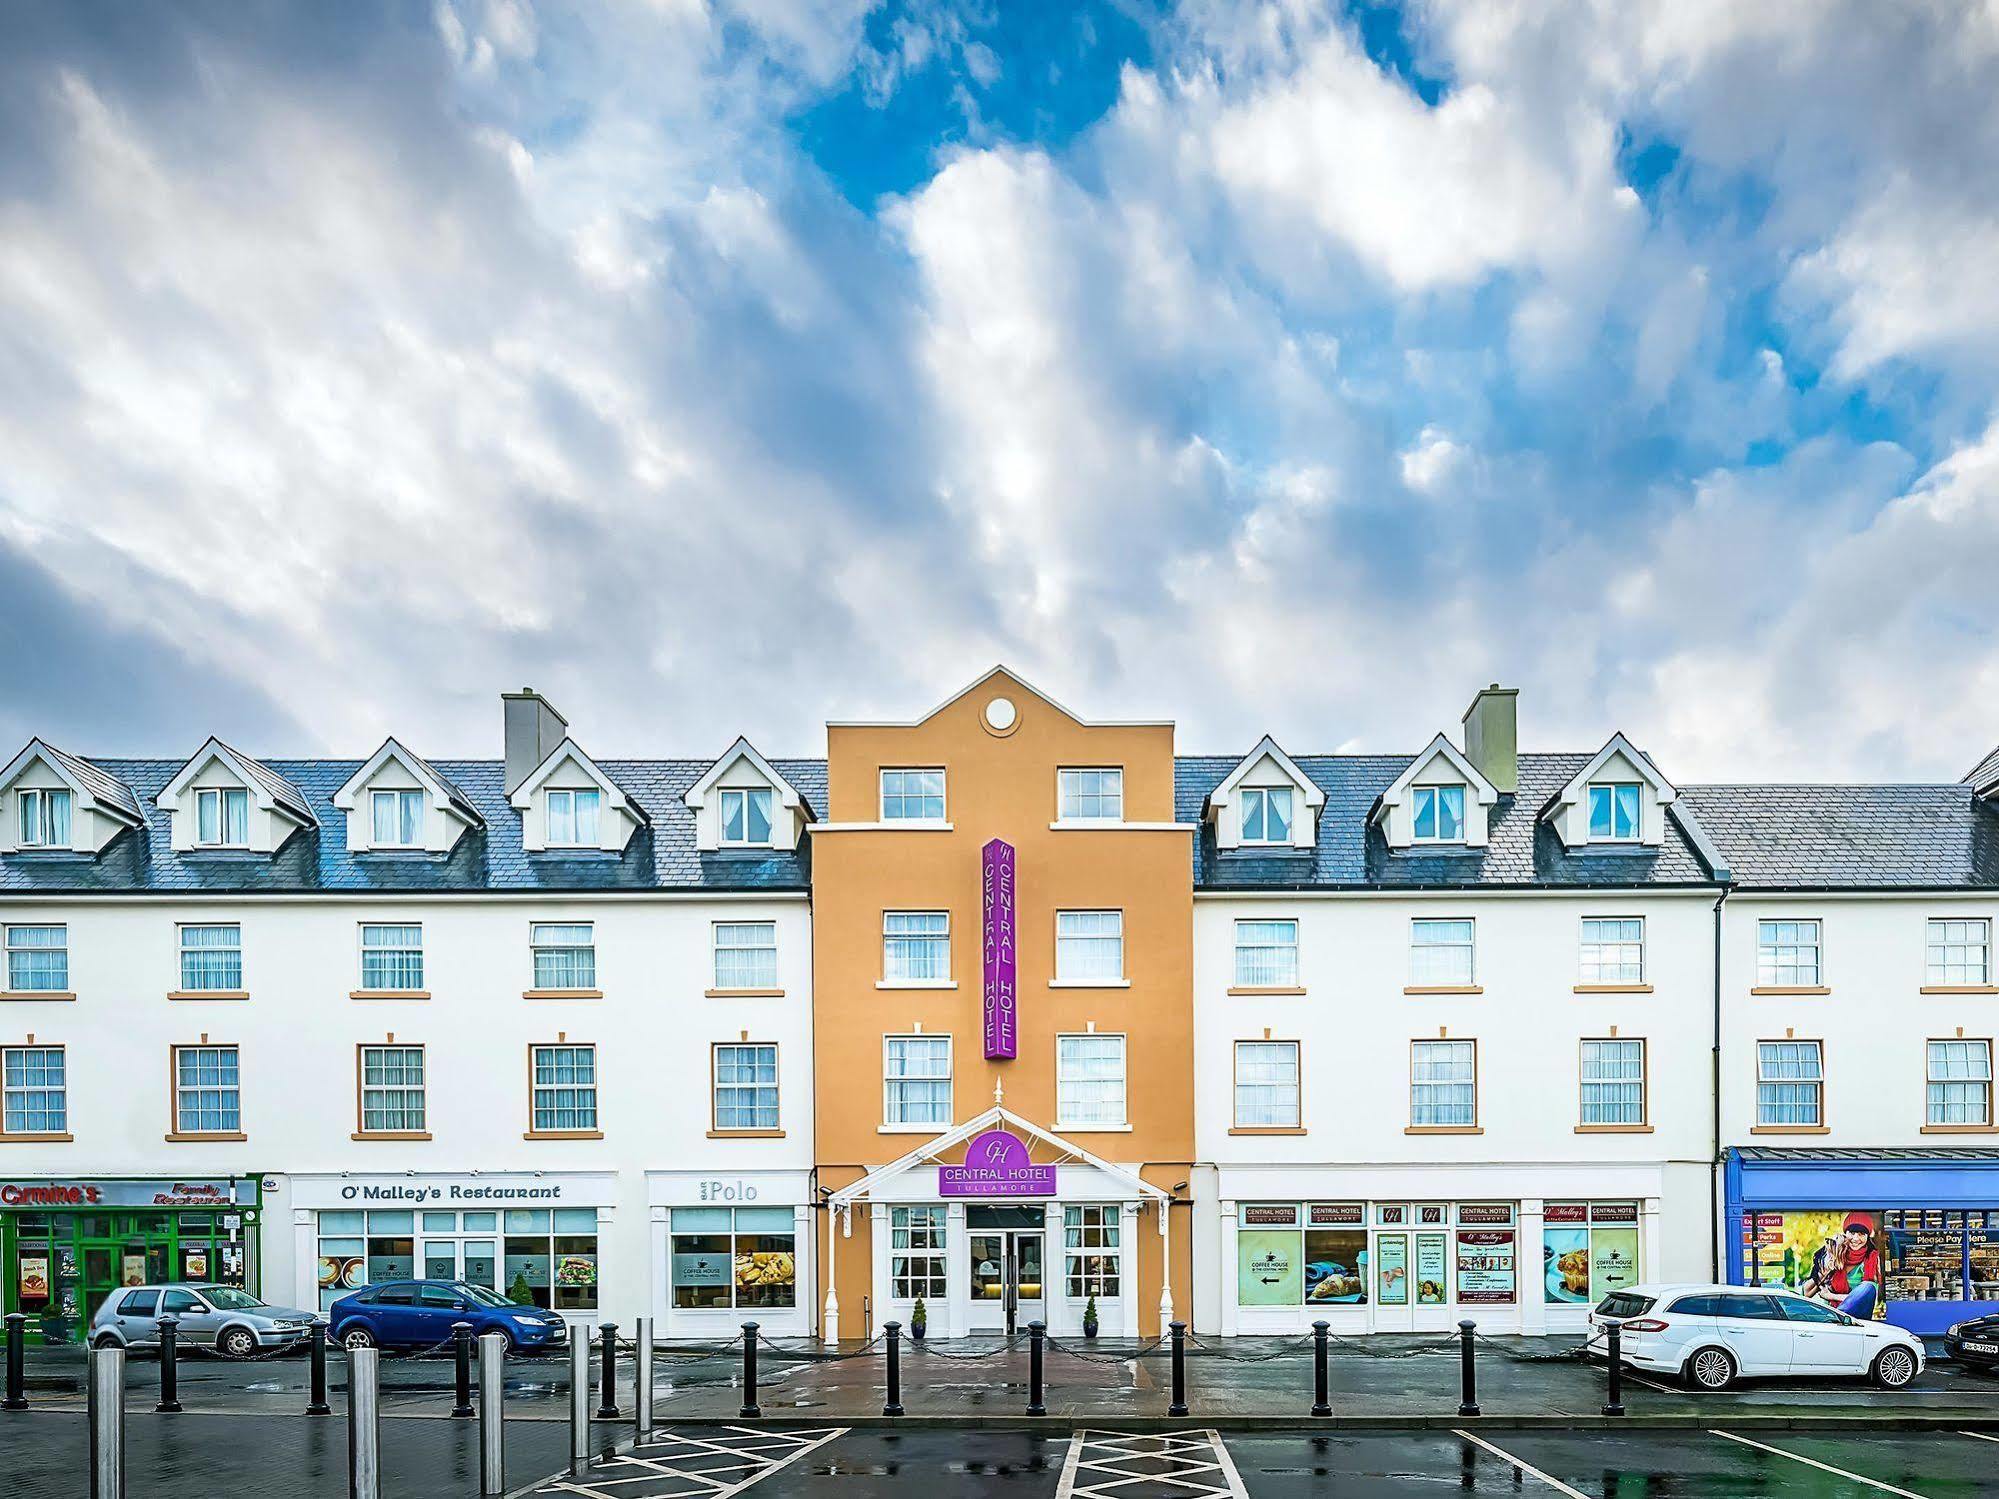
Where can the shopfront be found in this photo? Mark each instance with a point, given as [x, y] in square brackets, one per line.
[538, 1237]
[729, 1248]
[1907, 1236]
[67, 1244]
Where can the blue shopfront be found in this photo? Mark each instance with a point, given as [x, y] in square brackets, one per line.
[1909, 1236]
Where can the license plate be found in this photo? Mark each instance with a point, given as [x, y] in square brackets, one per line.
[1970, 1347]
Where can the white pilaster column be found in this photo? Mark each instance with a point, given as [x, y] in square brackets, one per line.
[305, 1259]
[660, 1256]
[1529, 1269]
[1054, 1304]
[878, 1238]
[805, 1266]
[1127, 1270]
[957, 1317]
[1648, 1241]
[1230, 1218]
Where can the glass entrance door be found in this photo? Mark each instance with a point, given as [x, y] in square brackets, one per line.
[474, 1260]
[1007, 1288]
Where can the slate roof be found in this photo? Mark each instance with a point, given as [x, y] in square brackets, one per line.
[282, 791]
[102, 786]
[1851, 837]
[1521, 850]
[457, 797]
[661, 856]
[1985, 773]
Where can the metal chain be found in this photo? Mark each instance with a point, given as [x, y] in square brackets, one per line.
[1058, 1346]
[805, 1355]
[1013, 1341]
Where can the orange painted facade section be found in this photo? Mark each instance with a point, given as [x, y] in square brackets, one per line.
[1004, 786]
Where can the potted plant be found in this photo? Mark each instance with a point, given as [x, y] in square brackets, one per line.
[519, 1292]
[1090, 1318]
[919, 1319]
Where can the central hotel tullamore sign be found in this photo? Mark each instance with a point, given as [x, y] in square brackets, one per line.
[996, 1165]
[1002, 1032]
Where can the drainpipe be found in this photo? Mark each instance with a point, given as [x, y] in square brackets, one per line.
[1714, 1096]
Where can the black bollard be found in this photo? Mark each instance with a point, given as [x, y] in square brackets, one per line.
[1179, 1405]
[750, 1408]
[1467, 1372]
[317, 1405]
[893, 1332]
[1037, 1332]
[607, 1409]
[461, 1353]
[1613, 1404]
[169, 1366]
[17, 1362]
[1321, 1405]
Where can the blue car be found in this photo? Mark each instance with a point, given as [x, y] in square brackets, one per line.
[421, 1314]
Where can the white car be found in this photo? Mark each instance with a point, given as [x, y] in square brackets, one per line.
[1712, 1335]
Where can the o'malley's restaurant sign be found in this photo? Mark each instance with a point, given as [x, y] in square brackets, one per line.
[1002, 1031]
[996, 1165]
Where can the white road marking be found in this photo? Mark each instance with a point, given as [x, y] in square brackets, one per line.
[1107, 1464]
[1981, 1436]
[635, 1473]
[1528, 1468]
[1812, 1462]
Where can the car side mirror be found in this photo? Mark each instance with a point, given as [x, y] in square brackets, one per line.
[459, 1306]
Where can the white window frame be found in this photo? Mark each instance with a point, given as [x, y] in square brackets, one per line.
[584, 1101]
[397, 798]
[222, 796]
[228, 1094]
[575, 838]
[537, 946]
[754, 1086]
[1280, 976]
[1610, 789]
[25, 1092]
[741, 942]
[1067, 951]
[895, 1107]
[1419, 1087]
[1092, 1269]
[1642, 1082]
[1436, 794]
[1957, 935]
[402, 1092]
[184, 952]
[1261, 795]
[392, 955]
[903, 797]
[890, 978]
[925, 1231]
[1595, 954]
[15, 949]
[1420, 980]
[745, 794]
[1069, 784]
[1816, 1082]
[1065, 1083]
[1769, 941]
[36, 826]
[1297, 1085]
[1939, 1105]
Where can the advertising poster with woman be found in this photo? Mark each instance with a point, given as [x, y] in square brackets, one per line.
[1832, 1256]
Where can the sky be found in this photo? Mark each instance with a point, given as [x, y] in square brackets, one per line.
[722, 367]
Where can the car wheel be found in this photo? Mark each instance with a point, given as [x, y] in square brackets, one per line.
[1894, 1368]
[237, 1342]
[107, 1341]
[357, 1337]
[1711, 1369]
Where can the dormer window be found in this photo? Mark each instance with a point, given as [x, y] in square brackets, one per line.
[1266, 814]
[572, 818]
[1440, 814]
[396, 819]
[222, 817]
[1613, 811]
[746, 817]
[45, 818]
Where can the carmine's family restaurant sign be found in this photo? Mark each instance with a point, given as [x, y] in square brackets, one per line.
[996, 1165]
[217, 1192]
[1002, 1029]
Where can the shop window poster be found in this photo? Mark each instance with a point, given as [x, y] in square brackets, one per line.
[1267, 1268]
[1336, 1266]
[1392, 1271]
[1485, 1267]
[1834, 1257]
[1566, 1251]
[1432, 1288]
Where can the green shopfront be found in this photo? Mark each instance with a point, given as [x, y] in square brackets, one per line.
[66, 1244]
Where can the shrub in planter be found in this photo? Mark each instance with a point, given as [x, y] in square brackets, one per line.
[519, 1292]
[1090, 1318]
[919, 1320]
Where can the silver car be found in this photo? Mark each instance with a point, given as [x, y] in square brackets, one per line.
[230, 1321]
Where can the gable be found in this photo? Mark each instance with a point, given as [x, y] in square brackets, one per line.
[276, 809]
[447, 814]
[1619, 762]
[742, 768]
[1262, 768]
[96, 808]
[567, 768]
[1440, 764]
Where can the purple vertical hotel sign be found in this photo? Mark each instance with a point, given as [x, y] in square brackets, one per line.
[1002, 1034]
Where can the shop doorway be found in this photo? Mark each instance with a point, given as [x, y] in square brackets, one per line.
[119, 1250]
[1006, 1246]
[475, 1261]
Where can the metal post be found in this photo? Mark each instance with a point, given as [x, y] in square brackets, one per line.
[893, 1332]
[579, 1401]
[17, 1362]
[1467, 1372]
[750, 1406]
[642, 1376]
[1613, 1404]
[461, 1357]
[317, 1405]
[1037, 1334]
[106, 1402]
[492, 1414]
[1179, 1405]
[607, 1408]
[169, 1367]
[364, 1423]
[1321, 1405]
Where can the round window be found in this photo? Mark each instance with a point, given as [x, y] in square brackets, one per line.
[1001, 714]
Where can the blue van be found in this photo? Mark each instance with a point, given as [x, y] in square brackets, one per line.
[421, 1314]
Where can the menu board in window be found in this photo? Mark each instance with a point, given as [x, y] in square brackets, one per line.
[1486, 1267]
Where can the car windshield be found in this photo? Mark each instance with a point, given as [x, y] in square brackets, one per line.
[484, 1296]
[229, 1299]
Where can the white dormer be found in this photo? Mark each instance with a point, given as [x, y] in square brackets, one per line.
[1439, 801]
[1266, 802]
[222, 800]
[1618, 800]
[52, 802]
[568, 803]
[396, 803]
[741, 802]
